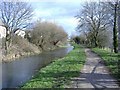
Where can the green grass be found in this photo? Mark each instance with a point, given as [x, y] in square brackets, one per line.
[60, 71]
[112, 61]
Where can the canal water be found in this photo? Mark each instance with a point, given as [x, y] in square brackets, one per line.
[16, 73]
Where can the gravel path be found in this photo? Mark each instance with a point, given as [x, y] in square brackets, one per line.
[94, 74]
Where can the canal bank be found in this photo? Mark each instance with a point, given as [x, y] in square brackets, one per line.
[21, 48]
[59, 72]
[16, 73]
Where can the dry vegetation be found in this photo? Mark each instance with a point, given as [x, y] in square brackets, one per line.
[47, 35]
[20, 47]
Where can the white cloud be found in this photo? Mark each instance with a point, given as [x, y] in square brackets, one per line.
[58, 1]
[62, 14]
[69, 21]
[44, 13]
[69, 24]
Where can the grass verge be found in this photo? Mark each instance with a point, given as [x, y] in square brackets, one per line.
[60, 71]
[112, 61]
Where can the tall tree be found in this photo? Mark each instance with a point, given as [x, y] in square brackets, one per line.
[46, 35]
[115, 27]
[114, 6]
[119, 28]
[93, 19]
[14, 15]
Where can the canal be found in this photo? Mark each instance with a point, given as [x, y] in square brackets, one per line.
[16, 73]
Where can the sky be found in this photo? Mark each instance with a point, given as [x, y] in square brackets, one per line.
[61, 12]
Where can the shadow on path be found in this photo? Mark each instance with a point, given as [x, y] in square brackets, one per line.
[94, 74]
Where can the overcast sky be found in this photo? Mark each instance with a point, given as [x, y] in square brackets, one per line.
[61, 12]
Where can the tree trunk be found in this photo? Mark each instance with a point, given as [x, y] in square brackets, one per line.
[7, 40]
[95, 38]
[115, 30]
[96, 44]
[119, 28]
[119, 36]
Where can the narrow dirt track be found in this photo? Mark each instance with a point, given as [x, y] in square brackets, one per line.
[94, 74]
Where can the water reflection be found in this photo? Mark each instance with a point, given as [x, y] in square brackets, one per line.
[18, 72]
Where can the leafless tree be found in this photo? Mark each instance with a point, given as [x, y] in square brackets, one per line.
[115, 27]
[45, 34]
[113, 8]
[14, 15]
[119, 27]
[93, 19]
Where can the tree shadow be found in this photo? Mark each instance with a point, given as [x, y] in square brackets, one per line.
[59, 76]
[74, 62]
[97, 80]
[112, 61]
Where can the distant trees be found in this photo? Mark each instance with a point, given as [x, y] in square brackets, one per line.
[97, 20]
[47, 34]
[76, 39]
[93, 20]
[14, 15]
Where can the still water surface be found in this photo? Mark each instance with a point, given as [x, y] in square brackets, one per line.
[16, 73]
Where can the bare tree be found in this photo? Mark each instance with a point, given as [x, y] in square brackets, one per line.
[14, 15]
[119, 28]
[115, 27]
[119, 33]
[93, 19]
[113, 8]
[47, 34]
[58, 35]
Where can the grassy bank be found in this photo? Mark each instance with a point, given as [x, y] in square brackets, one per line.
[111, 60]
[59, 72]
[20, 48]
